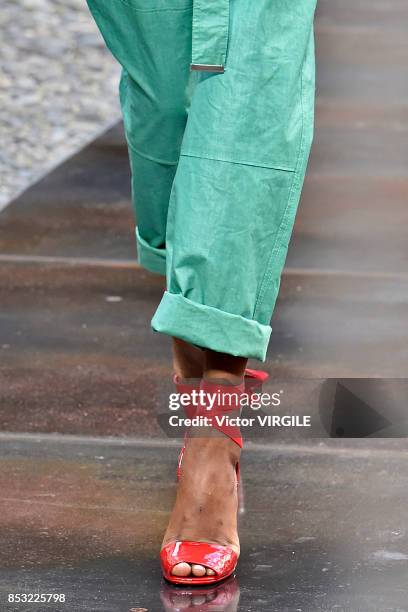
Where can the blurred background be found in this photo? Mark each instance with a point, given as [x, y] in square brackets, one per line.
[58, 87]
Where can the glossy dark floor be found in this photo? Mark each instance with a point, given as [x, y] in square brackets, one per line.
[324, 527]
[75, 309]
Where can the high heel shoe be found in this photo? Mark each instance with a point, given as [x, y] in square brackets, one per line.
[253, 381]
[221, 559]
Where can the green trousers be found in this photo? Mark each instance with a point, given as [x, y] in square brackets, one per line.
[218, 105]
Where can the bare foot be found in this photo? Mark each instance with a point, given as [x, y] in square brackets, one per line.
[206, 504]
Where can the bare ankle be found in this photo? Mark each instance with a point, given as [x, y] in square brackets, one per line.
[188, 360]
[223, 367]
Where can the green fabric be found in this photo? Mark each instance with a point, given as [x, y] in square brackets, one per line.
[149, 257]
[218, 159]
[210, 327]
[210, 32]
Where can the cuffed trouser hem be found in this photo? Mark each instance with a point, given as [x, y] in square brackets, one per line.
[149, 257]
[211, 328]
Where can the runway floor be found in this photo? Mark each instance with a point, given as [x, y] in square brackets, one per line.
[325, 524]
[323, 527]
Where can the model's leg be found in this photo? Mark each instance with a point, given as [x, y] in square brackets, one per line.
[207, 501]
[188, 360]
[154, 49]
[232, 210]
[238, 182]
[152, 42]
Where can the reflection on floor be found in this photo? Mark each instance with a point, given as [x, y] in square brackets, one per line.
[324, 527]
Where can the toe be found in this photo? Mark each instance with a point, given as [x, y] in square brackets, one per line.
[210, 572]
[198, 570]
[181, 569]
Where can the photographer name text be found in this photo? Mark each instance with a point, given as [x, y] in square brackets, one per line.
[238, 421]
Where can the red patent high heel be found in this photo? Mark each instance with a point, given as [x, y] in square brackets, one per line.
[221, 559]
[253, 381]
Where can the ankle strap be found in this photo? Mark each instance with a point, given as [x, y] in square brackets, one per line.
[222, 402]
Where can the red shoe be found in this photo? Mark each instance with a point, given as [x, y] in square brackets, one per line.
[221, 559]
[253, 381]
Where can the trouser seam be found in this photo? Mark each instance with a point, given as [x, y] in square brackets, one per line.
[157, 160]
[220, 158]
